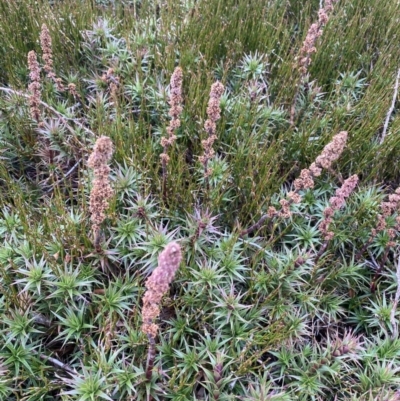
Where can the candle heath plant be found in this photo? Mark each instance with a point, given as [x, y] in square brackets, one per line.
[198, 202]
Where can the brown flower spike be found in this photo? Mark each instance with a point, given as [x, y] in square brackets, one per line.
[314, 32]
[330, 153]
[34, 87]
[337, 202]
[157, 285]
[47, 49]
[101, 191]
[175, 102]
[213, 113]
[45, 43]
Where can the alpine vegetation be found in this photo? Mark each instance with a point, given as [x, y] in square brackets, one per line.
[199, 200]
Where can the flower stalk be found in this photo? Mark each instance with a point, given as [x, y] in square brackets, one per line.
[101, 191]
[34, 86]
[157, 285]
[210, 126]
[303, 60]
[175, 102]
[336, 203]
[47, 54]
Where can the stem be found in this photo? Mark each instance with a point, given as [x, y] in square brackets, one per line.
[151, 355]
[56, 362]
[164, 177]
[97, 239]
[254, 227]
[207, 183]
[321, 251]
[293, 107]
[363, 249]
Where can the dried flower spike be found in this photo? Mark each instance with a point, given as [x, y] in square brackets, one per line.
[314, 32]
[213, 113]
[47, 50]
[337, 202]
[330, 153]
[175, 102]
[101, 191]
[157, 285]
[34, 87]
[45, 43]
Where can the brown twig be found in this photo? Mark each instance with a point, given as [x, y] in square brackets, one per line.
[255, 226]
[390, 112]
[321, 251]
[56, 362]
[395, 303]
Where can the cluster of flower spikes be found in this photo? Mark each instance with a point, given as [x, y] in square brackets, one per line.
[329, 154]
